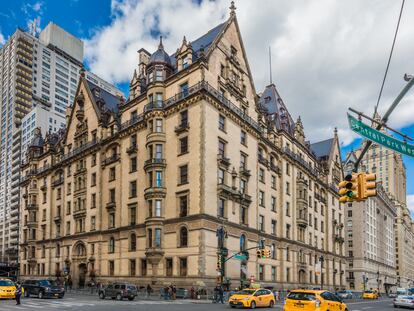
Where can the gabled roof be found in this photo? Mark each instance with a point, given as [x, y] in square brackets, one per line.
[109, 101]
[272, 104]
[322, 148]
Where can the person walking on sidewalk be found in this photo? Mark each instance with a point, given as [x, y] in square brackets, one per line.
[174, 292]
[18, 293]
[221, 294]
[149, 290]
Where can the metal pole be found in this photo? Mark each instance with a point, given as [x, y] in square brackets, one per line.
[385, 117]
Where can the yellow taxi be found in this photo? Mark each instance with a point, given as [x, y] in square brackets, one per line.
[7, 288]
[252, 298]
[313, 300]
[370, 294]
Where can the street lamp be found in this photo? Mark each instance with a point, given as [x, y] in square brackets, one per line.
[378, 281]
[321, 260]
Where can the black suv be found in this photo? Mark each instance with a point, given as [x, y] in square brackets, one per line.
[43, 289]
[119, 291]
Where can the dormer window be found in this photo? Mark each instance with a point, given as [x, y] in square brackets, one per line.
[150, 77]
[185, 62]
[233, 51]
[159, 76]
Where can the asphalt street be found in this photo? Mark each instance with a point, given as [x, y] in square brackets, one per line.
[92, 303]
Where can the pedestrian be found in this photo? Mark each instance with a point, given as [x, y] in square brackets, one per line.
[166, 289]
[149, 290]
[216, 293]
[70, 282]
[192, 292]
[18, 293]
[174, 292]
[221, 294]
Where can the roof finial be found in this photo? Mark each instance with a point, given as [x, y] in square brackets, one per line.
[160, 46]
[184, 41]
[232, 9]
[336, 131]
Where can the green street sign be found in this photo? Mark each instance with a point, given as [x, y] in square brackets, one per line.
[240, 257]
[380, 138]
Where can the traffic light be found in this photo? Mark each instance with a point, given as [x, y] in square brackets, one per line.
[219, 263]
[349, 188]
[266, 253]
[368, 185]
[263, 253]
[259, 253]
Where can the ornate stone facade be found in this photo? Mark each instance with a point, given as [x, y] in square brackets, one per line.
[137, 189]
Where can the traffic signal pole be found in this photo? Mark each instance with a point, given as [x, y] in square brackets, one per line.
[384, 119]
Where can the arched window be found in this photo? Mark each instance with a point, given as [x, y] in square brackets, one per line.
[111, 245]
[242, 242]
[57, 250]
[80, 250]
[133, 242]
[183, 237]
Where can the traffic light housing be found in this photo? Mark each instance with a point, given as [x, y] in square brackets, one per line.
[267, 253]
[349, 188]
[259, 253]
[368, 185]
[219, 263]
[263, 253]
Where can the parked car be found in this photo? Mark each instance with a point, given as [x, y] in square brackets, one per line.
[404, 301]
[182, 293]
[392, 295]
[312, 300]
[344, 294]
[370, 294]
[7, 289]
[119, 291]
[252, 298]
[43, 289]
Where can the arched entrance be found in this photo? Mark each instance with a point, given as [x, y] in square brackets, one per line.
[82, 274]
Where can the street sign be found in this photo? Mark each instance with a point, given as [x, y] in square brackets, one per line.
[240, 257]
[380, 138]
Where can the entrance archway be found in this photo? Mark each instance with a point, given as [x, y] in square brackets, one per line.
[302, 276]
[82, 268]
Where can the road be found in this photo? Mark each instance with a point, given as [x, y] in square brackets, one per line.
[92, 303]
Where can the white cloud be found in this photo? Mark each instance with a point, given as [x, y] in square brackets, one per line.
[2, 39]
[410, 202]
[327, 55]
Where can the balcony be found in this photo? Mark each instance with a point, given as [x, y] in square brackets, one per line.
[183, 127]
[320, 198]
[154, 254]
[221, 159]
[32, 207]
[57, 219]
[43, 187]
[57, 182]
[80, 149]
[132, 149]
[302, 220]
[157, 105]
[110, 205]
[262, 160]
[151, 192]
[113, 158]
[339, 239]
[79, 170]
[275, 168]
[32, 223]
[350, 279]
[245, 198]
[154, 137]
[244, 172]
[132, 122]
[154, 162]
[33, 190]
[80, 212]
[226, 190]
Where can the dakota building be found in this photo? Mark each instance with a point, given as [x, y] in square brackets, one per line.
[136, 189]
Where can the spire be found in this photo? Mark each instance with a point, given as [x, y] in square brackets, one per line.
[160, 46]
[184, 41]
[232, 9]
[335, 131]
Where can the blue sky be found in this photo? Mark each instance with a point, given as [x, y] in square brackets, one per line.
[326, 68]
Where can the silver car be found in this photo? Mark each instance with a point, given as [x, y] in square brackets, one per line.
[404, 301]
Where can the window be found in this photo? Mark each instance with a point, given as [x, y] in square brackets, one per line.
[261, 222]
[273, 204]
[273, 182]
[183, 174]
[93, 179]
[143, 267]
[243, 161]
[133, 189]
[68, 208]
[222, 123]
[287, 188]
[287, 169]
[158, 206]
[168, 266]
[133, 164]
[274, 274]
[273, 251]
[183, 206]
[184, 145]
[111, 267]
[112, 174]
[132, 215]
[184, 118]
[261, 199]
[111, 245]
[183, 237]
[93, 223]
[288, 209]
[183, 266]
[221, 207]
[220, 176]
[133, 242]
[132, 267]
[184, 89]
[243, 185]
[158, 125]
[243, 215]
[157, 240]
[261, 273]
[222, 148]
[112, 195]
[158, 151]
[111, 220]
[68, 228]
[93, 200]
[288, 231]
[243, 138]
[273, 227]
[261, 175]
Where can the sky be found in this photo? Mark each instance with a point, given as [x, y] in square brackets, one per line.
[327, 55]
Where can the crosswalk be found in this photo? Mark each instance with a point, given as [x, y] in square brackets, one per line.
[75, 303]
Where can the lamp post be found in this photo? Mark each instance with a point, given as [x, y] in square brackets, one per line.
[378, 281]
[321, 260]
[222, 252]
